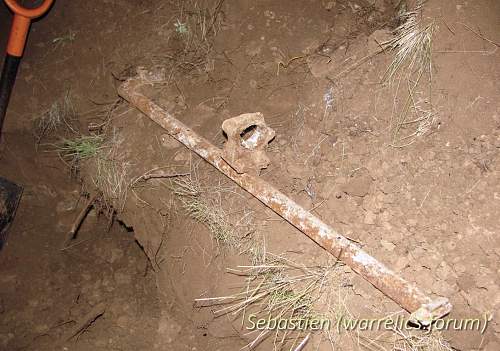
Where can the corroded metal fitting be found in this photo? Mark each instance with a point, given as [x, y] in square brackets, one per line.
[247, 138]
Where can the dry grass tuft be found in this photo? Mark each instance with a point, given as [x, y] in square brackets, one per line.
[204, 205]
[64, 39]
[82, 147]
[111, 174]
[411, 45]
[256, 250]
[391, 339]
[412, 49]
[73, 151]
[197, 23]
[412, 122]
[397, 339]
[419, 341]
[61, 115]
[194, 25]
[277, 288]
[212, 204]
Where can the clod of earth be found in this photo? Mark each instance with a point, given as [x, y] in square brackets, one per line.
[358, 186]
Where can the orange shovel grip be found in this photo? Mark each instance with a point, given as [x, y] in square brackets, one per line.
[21, 24]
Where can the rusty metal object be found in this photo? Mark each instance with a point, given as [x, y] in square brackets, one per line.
[423, 309]
[247, 138]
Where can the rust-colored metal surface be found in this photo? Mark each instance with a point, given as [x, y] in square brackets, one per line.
[247, 139]
[21, 24]
[423, 309]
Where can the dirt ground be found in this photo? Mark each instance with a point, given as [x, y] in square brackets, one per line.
[410, 171]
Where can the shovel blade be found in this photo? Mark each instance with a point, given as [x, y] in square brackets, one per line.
[10, 194]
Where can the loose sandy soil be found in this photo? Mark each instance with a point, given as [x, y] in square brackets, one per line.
[426, 205]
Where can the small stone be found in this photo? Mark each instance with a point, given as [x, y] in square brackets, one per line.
[116, 254]
[442, 288]
[387, 245]
[41, 328]
[297, 171]
[123, 322]
[254, 48]
[411, 222]
[182, 156]
[492, 346]
[169, 142]
[401, 263]
[66, 205]
[329, 5]
[370, 218]
[385, 216]
[459, 268]
[282, 142]
[445, 272]
[431, 261]
[484, 281]
[377, 37]
[168, 329]
[86, 276]
[304, 200]
[465, 282]
[221, 328]
[100, 343]
[358, 186]
[269, 14]
[122, 278]
[5, 339]
[387, 226]
[327, 188]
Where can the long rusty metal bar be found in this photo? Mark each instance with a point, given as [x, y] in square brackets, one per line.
[423, 309]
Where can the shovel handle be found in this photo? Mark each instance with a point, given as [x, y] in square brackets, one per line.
[21, 24]
[15, 47]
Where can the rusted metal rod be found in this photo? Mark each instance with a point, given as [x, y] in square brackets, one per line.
[423, 309]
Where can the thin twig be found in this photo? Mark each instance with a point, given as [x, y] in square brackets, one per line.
[75, 244]
[156, 173]
[303, 343]
[85, 322]
[163, 175]
[79, 219]
[479, 35]
[355, 65]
